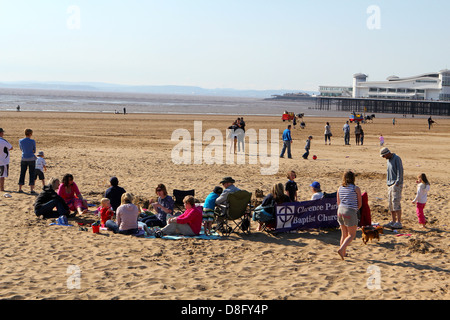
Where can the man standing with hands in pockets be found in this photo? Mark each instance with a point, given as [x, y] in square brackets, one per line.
[395, 187]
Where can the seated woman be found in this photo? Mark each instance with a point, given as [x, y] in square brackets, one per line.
[69, 191]
[48, 199]
[163, 207]
[126, 217]
[277, 196]
[189, 223]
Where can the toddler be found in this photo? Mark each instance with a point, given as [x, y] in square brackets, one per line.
[41, 167]
[105, 211]
[423, 186]
[381, 140]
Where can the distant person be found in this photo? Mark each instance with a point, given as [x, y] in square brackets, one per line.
[328, 133]
[5, 148]
[41, 167]
[28, 161]
[346, 130]
[393, 121]
[307, 148]
[18, 108]
[430, 123]
[124, 110]
[287, 141]
[358, 133]
[381, 140]
[114, 193]
[362, 136]
[395, 187]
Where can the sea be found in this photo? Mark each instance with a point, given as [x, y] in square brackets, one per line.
[115, 102]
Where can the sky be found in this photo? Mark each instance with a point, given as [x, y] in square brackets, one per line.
[240, 44]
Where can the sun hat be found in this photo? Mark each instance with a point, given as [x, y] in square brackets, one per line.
[384, 152]
[315, 185]
[41, 153]
[1, 130]
[227, 179]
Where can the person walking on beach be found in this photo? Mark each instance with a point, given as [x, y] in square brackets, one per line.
[328, 133]
[349, 201]
[430, 123]
[346, 130]
[28, 162]
[423, 187]
[5, 148]
[358, 130]
[395, 187]
[287, 141]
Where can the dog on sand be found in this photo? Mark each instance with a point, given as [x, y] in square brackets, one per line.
[370, 233]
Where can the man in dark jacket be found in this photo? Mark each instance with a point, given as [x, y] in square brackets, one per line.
[114, 193]
[48, 199]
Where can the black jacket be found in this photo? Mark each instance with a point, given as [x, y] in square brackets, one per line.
[47, 195]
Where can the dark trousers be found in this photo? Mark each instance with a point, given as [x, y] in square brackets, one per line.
[153, 221]
[46, 210]
[347, 137]
[306, 154]
[24, 166]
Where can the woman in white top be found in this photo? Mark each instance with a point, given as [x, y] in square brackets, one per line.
[349, 201]
[423, 186]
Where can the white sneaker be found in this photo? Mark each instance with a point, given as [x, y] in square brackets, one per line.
[389, 225]
[397, 225]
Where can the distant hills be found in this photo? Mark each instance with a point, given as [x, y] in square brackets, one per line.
[164, 89]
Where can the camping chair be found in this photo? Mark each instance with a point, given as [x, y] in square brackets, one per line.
[179, 195]
[236, 212]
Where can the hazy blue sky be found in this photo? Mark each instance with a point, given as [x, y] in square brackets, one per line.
[242, 44]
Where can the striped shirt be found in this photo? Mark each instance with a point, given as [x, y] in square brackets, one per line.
[348, 197]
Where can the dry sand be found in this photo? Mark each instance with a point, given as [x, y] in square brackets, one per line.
[35, 257]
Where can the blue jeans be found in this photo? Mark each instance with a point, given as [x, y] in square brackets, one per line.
[306, 154]
[115, 228]
[24, 165]
[46, 210]
[286, 145]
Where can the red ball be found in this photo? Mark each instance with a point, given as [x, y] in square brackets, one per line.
[315, 157]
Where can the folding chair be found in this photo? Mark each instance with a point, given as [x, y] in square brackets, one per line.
[236, 212]
[179, 195]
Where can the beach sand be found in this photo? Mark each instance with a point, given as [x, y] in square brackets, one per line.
[37, 258]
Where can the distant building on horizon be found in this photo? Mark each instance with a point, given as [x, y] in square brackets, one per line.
[429, 86]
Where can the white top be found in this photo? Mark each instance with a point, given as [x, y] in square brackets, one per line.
[317, 196]
[40, 163]
[422, 193]
[5, 146]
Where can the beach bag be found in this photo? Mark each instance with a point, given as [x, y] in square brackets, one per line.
[260, 214]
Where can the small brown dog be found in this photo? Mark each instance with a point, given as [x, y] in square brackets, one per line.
[369, 233]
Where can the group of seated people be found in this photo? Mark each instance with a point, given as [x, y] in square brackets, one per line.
[61, 199]
[66, 197]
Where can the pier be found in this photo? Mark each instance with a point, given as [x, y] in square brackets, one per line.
[412, 107]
